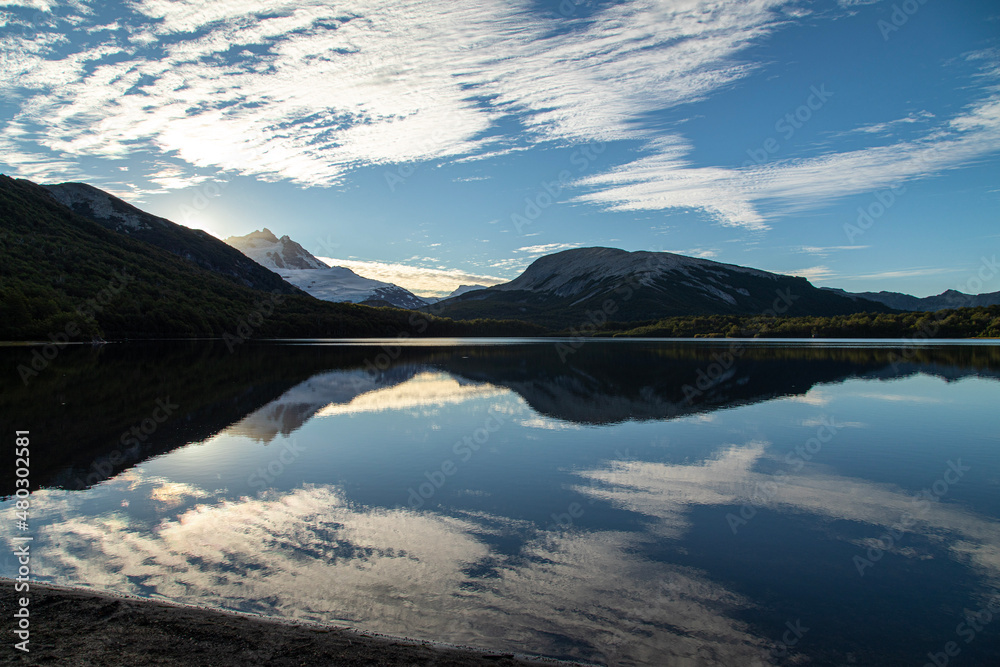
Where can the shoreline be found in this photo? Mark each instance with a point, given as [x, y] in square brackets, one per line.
[77, 625]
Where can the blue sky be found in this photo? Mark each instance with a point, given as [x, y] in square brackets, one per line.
[854, 142]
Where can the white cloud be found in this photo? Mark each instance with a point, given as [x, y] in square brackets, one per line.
[882, 128]
[704, 253]
[42, 5]
[665, 179]
[419, 280]
[823, 251]
[813, 272]
[903, 273]
[306, 92]
[313, 554]
[900, 398]
[812, 397]
[547, 248]
[666, 492]
[318, 90]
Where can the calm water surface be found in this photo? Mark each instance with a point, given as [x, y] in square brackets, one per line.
[618, 503]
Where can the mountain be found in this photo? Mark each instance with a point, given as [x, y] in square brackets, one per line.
[590, 285]
[65, 277]
[463, 289]
[297, 266]
[261, 391]
[193, 245]
[339, 284]
[268, 250]
[947, 299]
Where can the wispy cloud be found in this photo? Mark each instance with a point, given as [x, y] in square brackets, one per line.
[307, 92]
[903, 273]
[666, 179]
[304, 91]
[813, 273]
[823, 251]
[419, 280]
[888, 126]
[900, 398]
[547, 248]
[704, 253]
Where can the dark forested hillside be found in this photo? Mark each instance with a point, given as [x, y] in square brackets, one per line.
[193, 245]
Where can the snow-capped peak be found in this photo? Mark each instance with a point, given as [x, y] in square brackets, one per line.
[268, 250]
[330, 283]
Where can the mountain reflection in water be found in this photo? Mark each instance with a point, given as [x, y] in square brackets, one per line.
[628, 503]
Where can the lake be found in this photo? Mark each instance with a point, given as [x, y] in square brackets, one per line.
[617, 502]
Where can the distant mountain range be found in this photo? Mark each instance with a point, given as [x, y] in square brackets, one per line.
[574, 287]
[297, 266]
[61, 247]
[460, 290]
[947, 299]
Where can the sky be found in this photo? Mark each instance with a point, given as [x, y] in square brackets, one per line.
[853, 142]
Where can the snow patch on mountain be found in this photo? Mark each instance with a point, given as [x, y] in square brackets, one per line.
[337, 283]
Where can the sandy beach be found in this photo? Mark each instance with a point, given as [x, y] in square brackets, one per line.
[78, 627]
